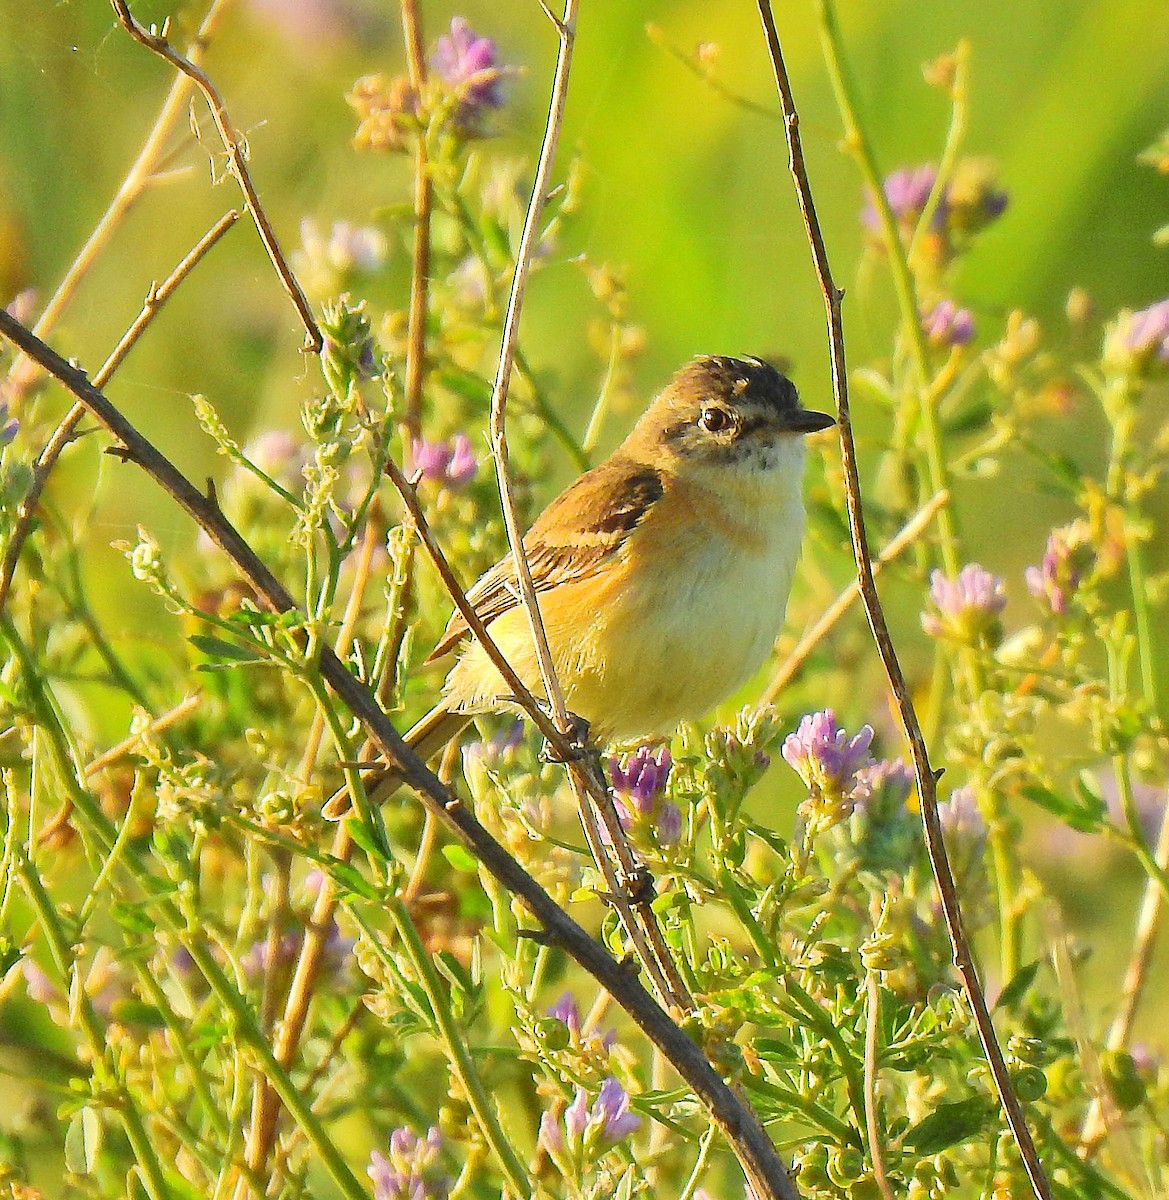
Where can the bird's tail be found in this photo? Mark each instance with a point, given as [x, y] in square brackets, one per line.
[426, 739]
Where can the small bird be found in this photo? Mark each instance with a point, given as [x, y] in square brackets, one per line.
[662, 574]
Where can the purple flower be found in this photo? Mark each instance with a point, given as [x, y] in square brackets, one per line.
[968, 607]
[467, 64]
[8, 425]
[567, 1011]
[639, 785]
[411, 1169]
[642, 777]
[907, 191]
[261, 959]
[1065, 559]
[948, 325]
[888, 781]
[449, 464]
[588, 1129]
[830, 763]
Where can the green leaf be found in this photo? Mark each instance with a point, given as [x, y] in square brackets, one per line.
[1064, 807]
[1017, 988]
[83, 1141]
[947, 1125]
[215, 647]
[460, 858]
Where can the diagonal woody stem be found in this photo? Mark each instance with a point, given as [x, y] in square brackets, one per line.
[926, 776]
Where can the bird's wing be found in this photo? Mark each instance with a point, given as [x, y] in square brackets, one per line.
[581, 531]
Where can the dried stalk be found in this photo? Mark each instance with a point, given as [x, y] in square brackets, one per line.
[66, 431]
[233, 144]
[24, 372]
[420, 271]
[924, 772]
[633, 909]
[904, 538]
[765, 1173]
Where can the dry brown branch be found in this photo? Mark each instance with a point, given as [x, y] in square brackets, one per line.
[924, 772]
[66, 431]
[827, 620]
[765, 1173]
[157, 42]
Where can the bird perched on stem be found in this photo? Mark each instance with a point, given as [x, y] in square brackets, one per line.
[662, 574]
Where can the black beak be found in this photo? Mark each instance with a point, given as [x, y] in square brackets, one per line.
[804, 420]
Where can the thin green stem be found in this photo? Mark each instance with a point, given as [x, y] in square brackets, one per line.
[80, 1005]
[453, 1040]
[816, 1114]
[858, 144]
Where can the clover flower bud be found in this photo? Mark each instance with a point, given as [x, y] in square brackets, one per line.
[948, 325]
[468, 65]
[386, 108]
[1137, 340]
[411, 1170]
[967, 608]
[1067, 556]
[830, 763]
[639, 784]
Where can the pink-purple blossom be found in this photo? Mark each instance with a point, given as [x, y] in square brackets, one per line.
[639, 785]
[907, 189]
[966, 608]
[960, 817]
[948, 325]
[1056, 579]
[1147, 330]
[586, 1128]
[468, 65]
[830, 763]
[411, 1170]
[450, 464]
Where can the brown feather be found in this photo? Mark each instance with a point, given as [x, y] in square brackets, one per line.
[581, 531]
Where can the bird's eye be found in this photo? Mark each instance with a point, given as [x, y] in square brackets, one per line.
[714, 420]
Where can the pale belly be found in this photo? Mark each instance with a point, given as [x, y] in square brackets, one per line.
[674, 652]
[636, 661]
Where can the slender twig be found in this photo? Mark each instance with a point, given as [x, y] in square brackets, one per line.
[142, 173]
[66, 431]
[1135, 976]
[582, 781]
[696, 66]
[765, 1172]
[924, 772]
[657, 958]
[115, 754]
[233, 144]
[904, 538]
[420, 270]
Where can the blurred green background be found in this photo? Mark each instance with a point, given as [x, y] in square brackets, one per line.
[688, 192]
